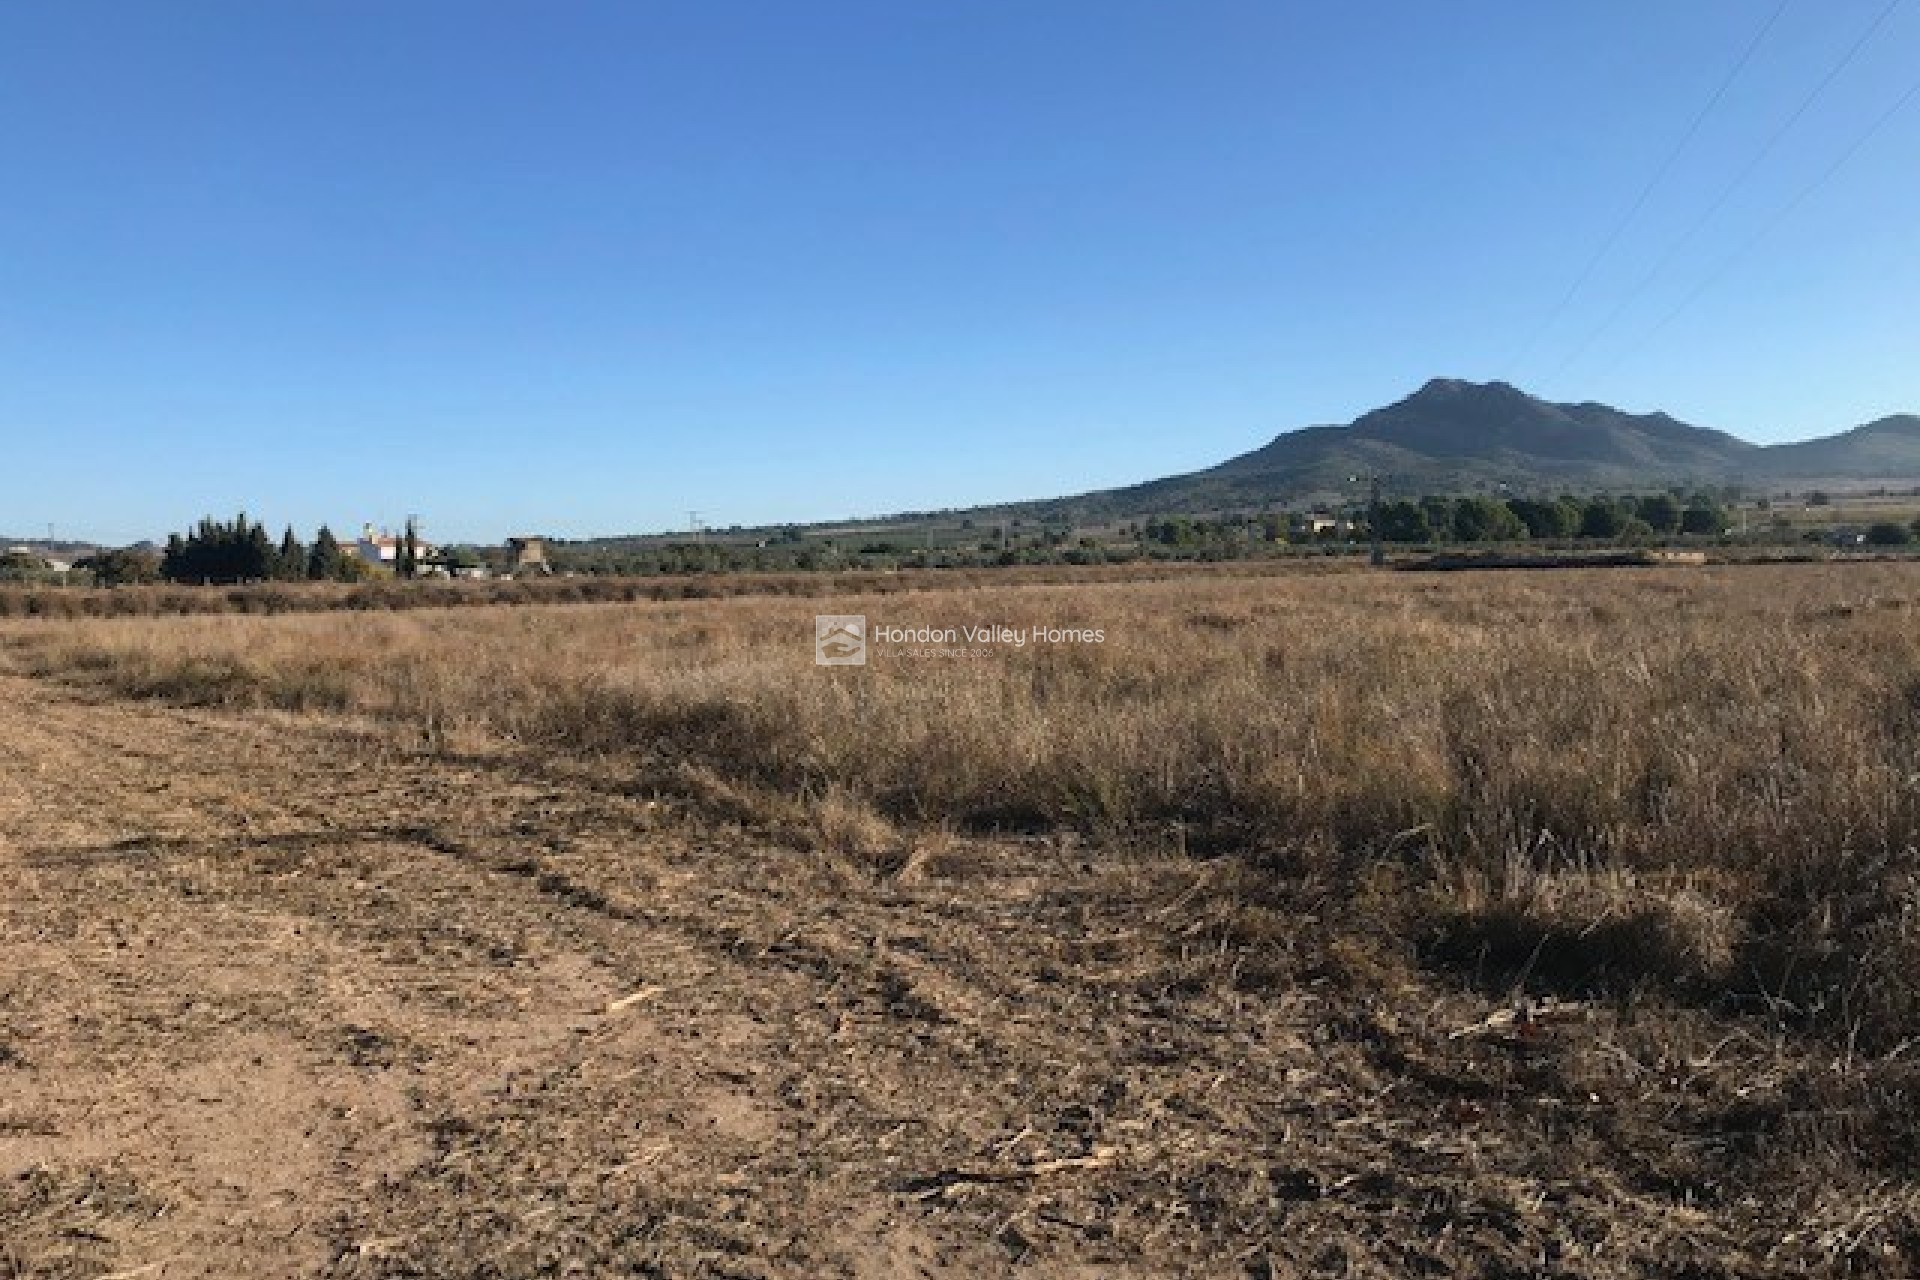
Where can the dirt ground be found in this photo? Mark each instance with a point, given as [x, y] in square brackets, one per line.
[285, 997]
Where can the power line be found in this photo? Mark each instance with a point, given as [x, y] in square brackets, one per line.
[1785, 211]
[1727, 192]
[1659, 176]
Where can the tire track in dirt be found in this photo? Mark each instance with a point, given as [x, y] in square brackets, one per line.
[224, 991]
[352, 1020]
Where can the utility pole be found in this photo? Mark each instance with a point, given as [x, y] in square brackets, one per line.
[1379, 556]
[1375, 483]
[694, 528]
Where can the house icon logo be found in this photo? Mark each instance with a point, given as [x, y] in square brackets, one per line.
[839, 640]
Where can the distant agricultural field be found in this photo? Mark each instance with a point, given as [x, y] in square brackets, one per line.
[161, 600]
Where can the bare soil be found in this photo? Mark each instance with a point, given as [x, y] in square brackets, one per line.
[282, 996]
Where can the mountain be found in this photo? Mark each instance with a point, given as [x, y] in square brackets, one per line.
[1888, 449]
[1453, 436]
[1450, 425]
[1450, 437]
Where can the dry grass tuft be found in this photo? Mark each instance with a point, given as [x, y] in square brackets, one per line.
[841, 823]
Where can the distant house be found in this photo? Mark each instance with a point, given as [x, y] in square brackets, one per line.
[1316, 526]
[528, 554]
[379, 547]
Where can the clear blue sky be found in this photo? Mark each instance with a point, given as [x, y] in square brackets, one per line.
[583, 267]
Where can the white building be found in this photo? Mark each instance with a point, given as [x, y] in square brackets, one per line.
[379, 547]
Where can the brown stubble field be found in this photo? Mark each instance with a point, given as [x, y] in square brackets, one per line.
[620, 939]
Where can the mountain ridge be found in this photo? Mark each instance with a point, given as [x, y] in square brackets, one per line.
[1457, 436]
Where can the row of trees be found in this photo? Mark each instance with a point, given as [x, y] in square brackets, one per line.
[1888, 533]
[1476, 519]
[241, 550]
[1186, 531]
[1436, 519]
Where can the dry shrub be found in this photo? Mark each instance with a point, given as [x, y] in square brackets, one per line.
[1583, 932]
[842, 824]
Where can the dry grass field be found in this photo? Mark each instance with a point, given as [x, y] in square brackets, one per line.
[1477, 924]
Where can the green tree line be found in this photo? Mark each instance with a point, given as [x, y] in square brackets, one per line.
[1613, 519]
[241, 550]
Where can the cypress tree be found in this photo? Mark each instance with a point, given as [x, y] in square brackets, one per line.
[324, 562]
[290, 565]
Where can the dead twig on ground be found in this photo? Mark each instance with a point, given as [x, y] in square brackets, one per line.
[639, 997]
[939, 1184]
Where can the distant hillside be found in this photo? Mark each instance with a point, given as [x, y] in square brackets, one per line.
[1449, 437]
[1459, 437]
[1885, 450]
